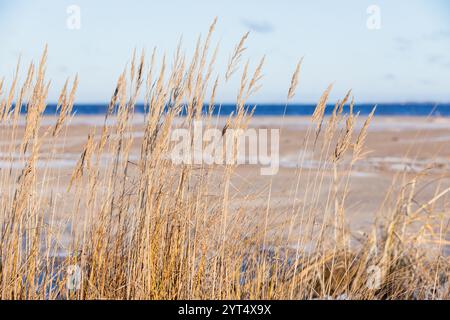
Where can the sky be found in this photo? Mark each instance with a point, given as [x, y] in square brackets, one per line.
[404, 56]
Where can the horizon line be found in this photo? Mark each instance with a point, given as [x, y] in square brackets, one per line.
[281, 103]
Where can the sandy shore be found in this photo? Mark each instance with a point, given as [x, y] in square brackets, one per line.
[399, 147]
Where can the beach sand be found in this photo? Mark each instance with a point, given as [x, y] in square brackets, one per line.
[400, 148]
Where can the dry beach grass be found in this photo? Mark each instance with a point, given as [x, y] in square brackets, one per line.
[141, 227]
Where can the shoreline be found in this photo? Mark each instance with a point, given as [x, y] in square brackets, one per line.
[397, 147]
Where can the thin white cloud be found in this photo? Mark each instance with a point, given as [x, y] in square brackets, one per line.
[258, 26]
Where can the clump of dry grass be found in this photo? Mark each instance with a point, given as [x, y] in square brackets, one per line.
[146, 228]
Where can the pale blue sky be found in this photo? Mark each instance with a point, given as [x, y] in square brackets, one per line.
[406, 60]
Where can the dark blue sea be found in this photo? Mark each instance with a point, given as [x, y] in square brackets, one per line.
[388, 109]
